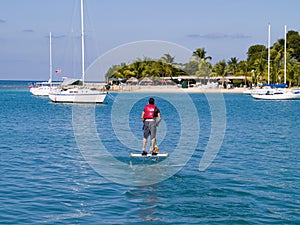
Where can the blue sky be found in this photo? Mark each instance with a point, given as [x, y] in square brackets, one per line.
[224, 28]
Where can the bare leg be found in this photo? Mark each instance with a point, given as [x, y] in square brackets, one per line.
[144, 144]
[153, 140]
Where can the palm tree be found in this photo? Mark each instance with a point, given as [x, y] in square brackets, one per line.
[137, 67]
[200, 53]
[220, 69]
[167, 58]
[203, 66]
[243, 69]
[156, 69]
[191, 67]
[293, 71]
[259, 66]
[203, 69]
[232, 63]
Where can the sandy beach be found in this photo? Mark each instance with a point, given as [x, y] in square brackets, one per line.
[174, 89]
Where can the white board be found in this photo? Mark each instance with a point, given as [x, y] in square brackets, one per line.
[149, 155]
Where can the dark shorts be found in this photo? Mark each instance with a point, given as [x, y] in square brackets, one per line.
[149, 129]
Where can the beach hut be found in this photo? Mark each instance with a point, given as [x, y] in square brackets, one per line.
[132, 81]
[146, 81]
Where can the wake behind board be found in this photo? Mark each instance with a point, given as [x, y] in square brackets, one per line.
[149, 155]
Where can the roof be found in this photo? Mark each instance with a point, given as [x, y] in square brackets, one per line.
[146, 79]
[132, 80]
[69, 81]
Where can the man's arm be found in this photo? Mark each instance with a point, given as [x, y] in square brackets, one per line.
[142, 117]
[158, 119]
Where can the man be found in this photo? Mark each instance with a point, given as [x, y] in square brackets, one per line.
[151, 118]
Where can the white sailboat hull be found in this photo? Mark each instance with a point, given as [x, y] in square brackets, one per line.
[256, 91]
[43, 88]
[40, 91]
[278, 96]
[77, 95]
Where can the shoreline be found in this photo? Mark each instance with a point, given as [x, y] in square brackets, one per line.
[175, 89]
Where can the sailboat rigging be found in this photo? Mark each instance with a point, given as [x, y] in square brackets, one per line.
[43, 88]
[79, 94]
[274, 93]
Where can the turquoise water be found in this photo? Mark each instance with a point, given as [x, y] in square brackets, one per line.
[45, 178]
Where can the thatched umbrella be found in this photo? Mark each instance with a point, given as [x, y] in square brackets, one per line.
[146, 81]
[132, 80]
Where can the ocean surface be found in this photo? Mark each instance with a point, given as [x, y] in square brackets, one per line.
[52, 174]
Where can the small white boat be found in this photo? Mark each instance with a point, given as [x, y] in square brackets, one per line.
[80, 94]
[43, 88]
[278, 95]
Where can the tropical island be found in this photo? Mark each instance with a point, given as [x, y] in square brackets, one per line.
[250, 72]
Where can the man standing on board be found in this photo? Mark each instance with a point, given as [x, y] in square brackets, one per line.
[151, 118]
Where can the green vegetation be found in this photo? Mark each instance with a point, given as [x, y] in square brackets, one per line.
[164, 67]
[255, 67]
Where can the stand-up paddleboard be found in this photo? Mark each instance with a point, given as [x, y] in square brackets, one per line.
[149, 155]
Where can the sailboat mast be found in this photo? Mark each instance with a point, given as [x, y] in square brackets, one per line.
[269, 40]
[82, 43]
[285, 54]
[50, 70]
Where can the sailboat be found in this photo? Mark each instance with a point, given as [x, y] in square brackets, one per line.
[266, 88]
[79, 94]
[278, 94]
[43, 88]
